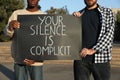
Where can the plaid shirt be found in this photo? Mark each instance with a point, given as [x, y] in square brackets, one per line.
[105, 39]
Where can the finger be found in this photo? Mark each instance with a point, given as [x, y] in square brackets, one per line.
[83, 54]
[16, 25]
[83, 50]
[26, 62]
[30, 61]
[75, 14]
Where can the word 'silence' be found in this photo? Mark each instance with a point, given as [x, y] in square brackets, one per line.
[49, 25]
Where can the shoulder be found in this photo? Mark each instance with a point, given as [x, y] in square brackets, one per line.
[41, 12]
[15, 13]
[104, 9]
[19, 10]
[82, 10]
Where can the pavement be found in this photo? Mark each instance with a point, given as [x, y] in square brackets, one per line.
[52, 71]
[56, 70]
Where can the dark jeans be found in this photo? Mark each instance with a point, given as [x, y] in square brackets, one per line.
[83, 70]
[22, 71]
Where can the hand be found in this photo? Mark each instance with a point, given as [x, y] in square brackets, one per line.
[86, 51]
[77, 14]
[28, 62]
[14, 24]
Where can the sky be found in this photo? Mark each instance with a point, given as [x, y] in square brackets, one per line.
[75, 5]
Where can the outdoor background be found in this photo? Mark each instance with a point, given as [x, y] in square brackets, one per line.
[75, 5]
[55, 7]
[64, 68]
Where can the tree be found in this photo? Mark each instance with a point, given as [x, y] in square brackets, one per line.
[118, 17]
[117, 27]
[6, 9]
[53, 10]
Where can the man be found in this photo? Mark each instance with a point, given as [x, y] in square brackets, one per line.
[34, 68]
[97, 36]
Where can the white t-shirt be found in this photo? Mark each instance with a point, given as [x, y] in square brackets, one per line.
[10, 33]
[14, 17]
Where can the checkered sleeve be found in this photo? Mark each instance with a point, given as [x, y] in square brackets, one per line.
[105, 39]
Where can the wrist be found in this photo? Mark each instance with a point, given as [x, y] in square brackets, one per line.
[10, 28]
[94, 51]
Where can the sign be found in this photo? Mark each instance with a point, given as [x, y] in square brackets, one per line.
[48, 37]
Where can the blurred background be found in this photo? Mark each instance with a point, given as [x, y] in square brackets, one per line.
[55, 7]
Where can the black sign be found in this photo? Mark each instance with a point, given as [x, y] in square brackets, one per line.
[48, 37]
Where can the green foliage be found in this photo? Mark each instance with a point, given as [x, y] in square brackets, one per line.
[6, 9]
[53, 10]
[118, 17]
[117, 28]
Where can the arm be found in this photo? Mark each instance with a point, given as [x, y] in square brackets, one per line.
[84, 51]
[8, 32]
[12, 24]
[106, 39]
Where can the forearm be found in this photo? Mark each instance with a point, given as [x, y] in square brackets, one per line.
[8, 32]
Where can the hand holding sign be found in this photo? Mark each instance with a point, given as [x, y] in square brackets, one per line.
[14, 25]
